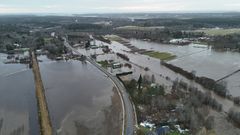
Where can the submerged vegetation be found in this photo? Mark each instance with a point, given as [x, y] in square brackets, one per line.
[218, 87]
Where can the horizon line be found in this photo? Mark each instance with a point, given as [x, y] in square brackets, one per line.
[102, 13]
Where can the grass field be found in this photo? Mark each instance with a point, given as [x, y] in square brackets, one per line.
[161, 55]
[219, 31]
[139, 28]
[113, 37]
[104, 64]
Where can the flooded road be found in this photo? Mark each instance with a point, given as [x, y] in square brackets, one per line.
[81, 99]
[18, 107]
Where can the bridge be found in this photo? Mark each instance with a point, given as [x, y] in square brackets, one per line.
[129, 114]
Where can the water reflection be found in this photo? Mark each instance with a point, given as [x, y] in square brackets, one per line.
[80, 98]
[18, 107]
[8, 69]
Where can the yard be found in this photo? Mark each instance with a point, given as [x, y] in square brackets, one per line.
[104, 64]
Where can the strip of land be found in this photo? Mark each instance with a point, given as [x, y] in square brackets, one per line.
[43, 114]
[161, 55]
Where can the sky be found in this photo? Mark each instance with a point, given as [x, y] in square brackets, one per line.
[116, 6]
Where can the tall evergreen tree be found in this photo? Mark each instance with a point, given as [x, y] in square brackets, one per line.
[139, 82]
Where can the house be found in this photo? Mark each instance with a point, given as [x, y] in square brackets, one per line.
[116, 65]
[17, 45]
[147, 124]
[53, 34]
[94, 47]
[180, 130]
[180, 41]
[39, 52]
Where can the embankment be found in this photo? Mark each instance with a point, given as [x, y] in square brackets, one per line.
[43, 114]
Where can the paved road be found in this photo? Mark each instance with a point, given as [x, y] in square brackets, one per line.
[129, 124]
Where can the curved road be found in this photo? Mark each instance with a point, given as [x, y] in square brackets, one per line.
[129, 117]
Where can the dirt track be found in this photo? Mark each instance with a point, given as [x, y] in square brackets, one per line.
[43, 114]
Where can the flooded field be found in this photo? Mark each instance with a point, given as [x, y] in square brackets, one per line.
[203, 60]
[138, 62]
[18, 107]
[81, 99]
[234, 84]
[7, 69]
[163, 75]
